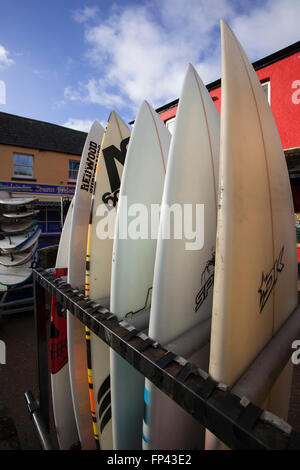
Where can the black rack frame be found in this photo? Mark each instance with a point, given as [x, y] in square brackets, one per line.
[235, 421]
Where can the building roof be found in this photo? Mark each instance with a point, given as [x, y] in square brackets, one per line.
[259, 64]
[29, 133]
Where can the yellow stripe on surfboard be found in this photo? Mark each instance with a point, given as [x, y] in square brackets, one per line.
[88, 337]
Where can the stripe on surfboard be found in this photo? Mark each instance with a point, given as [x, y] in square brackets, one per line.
[91, 387]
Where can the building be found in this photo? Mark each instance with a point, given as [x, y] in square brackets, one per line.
[279, 74]
[42, 159]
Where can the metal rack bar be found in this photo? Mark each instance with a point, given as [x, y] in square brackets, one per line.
[39, 422]
[235, 421]
[261, 375]
[42, 351]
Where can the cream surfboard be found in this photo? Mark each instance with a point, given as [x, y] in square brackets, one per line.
[98, 272]
[12, 227]
[17, 242]
[184, 268]
[76, 276]
[63, 410]
[15, 201]
[255, 286]
[20, 214]
[133, 264]
[16, 275]
[17, 258]
[28, 243]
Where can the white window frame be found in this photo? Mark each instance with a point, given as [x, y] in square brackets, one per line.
[268, 84]
[20, 176]
[170, 121]
[72, 180]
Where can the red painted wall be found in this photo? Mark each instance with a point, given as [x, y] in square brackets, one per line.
[285, 100]
[284, 77]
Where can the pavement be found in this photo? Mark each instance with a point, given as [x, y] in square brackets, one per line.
[19, 374]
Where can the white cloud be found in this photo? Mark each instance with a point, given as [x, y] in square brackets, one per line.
[78, 124]
[94, 91]
[5, 60]
[142, 51]
[84, 14]
[268, 28]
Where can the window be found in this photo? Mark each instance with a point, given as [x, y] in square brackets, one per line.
[49, 220]
[23, 166]
[266, 88]
[170, 123]
[73, 170]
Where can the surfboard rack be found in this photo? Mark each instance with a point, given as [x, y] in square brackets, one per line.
[234, 420]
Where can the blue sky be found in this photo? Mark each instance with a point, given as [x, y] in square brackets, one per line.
[72, 61]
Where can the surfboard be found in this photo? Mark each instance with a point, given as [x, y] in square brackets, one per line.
[98, 269]
[133, 264]
[76, 278]
[12, 227]
[20, 215]
[184, 264]
[17, 258]
[14, 242]
[15, 201]
[16, 275]
[27, 245]
[63, 411]
[255, 286]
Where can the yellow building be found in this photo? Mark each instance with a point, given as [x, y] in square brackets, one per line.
[41, 159]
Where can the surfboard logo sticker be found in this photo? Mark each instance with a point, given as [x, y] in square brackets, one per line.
[207, 280]
[111, 199]
[58, 331]
[269, 280]
[88, 177]
[110, 155]
[58, 337]
[145, 307]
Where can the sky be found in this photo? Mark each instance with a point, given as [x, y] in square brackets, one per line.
[70, 62]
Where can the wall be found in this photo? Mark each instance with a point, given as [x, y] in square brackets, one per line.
[284, 77]
[48, 167]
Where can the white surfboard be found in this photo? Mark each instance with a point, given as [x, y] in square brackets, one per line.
[133, 264]
[76, 277]
[63, 410]
[17, 201]
[98, 273]
[14, 242]
[256, 263]
[12, 227]
[184, 268]
[17, 258]
[27, 245]
[15, 275]
[20, 215]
